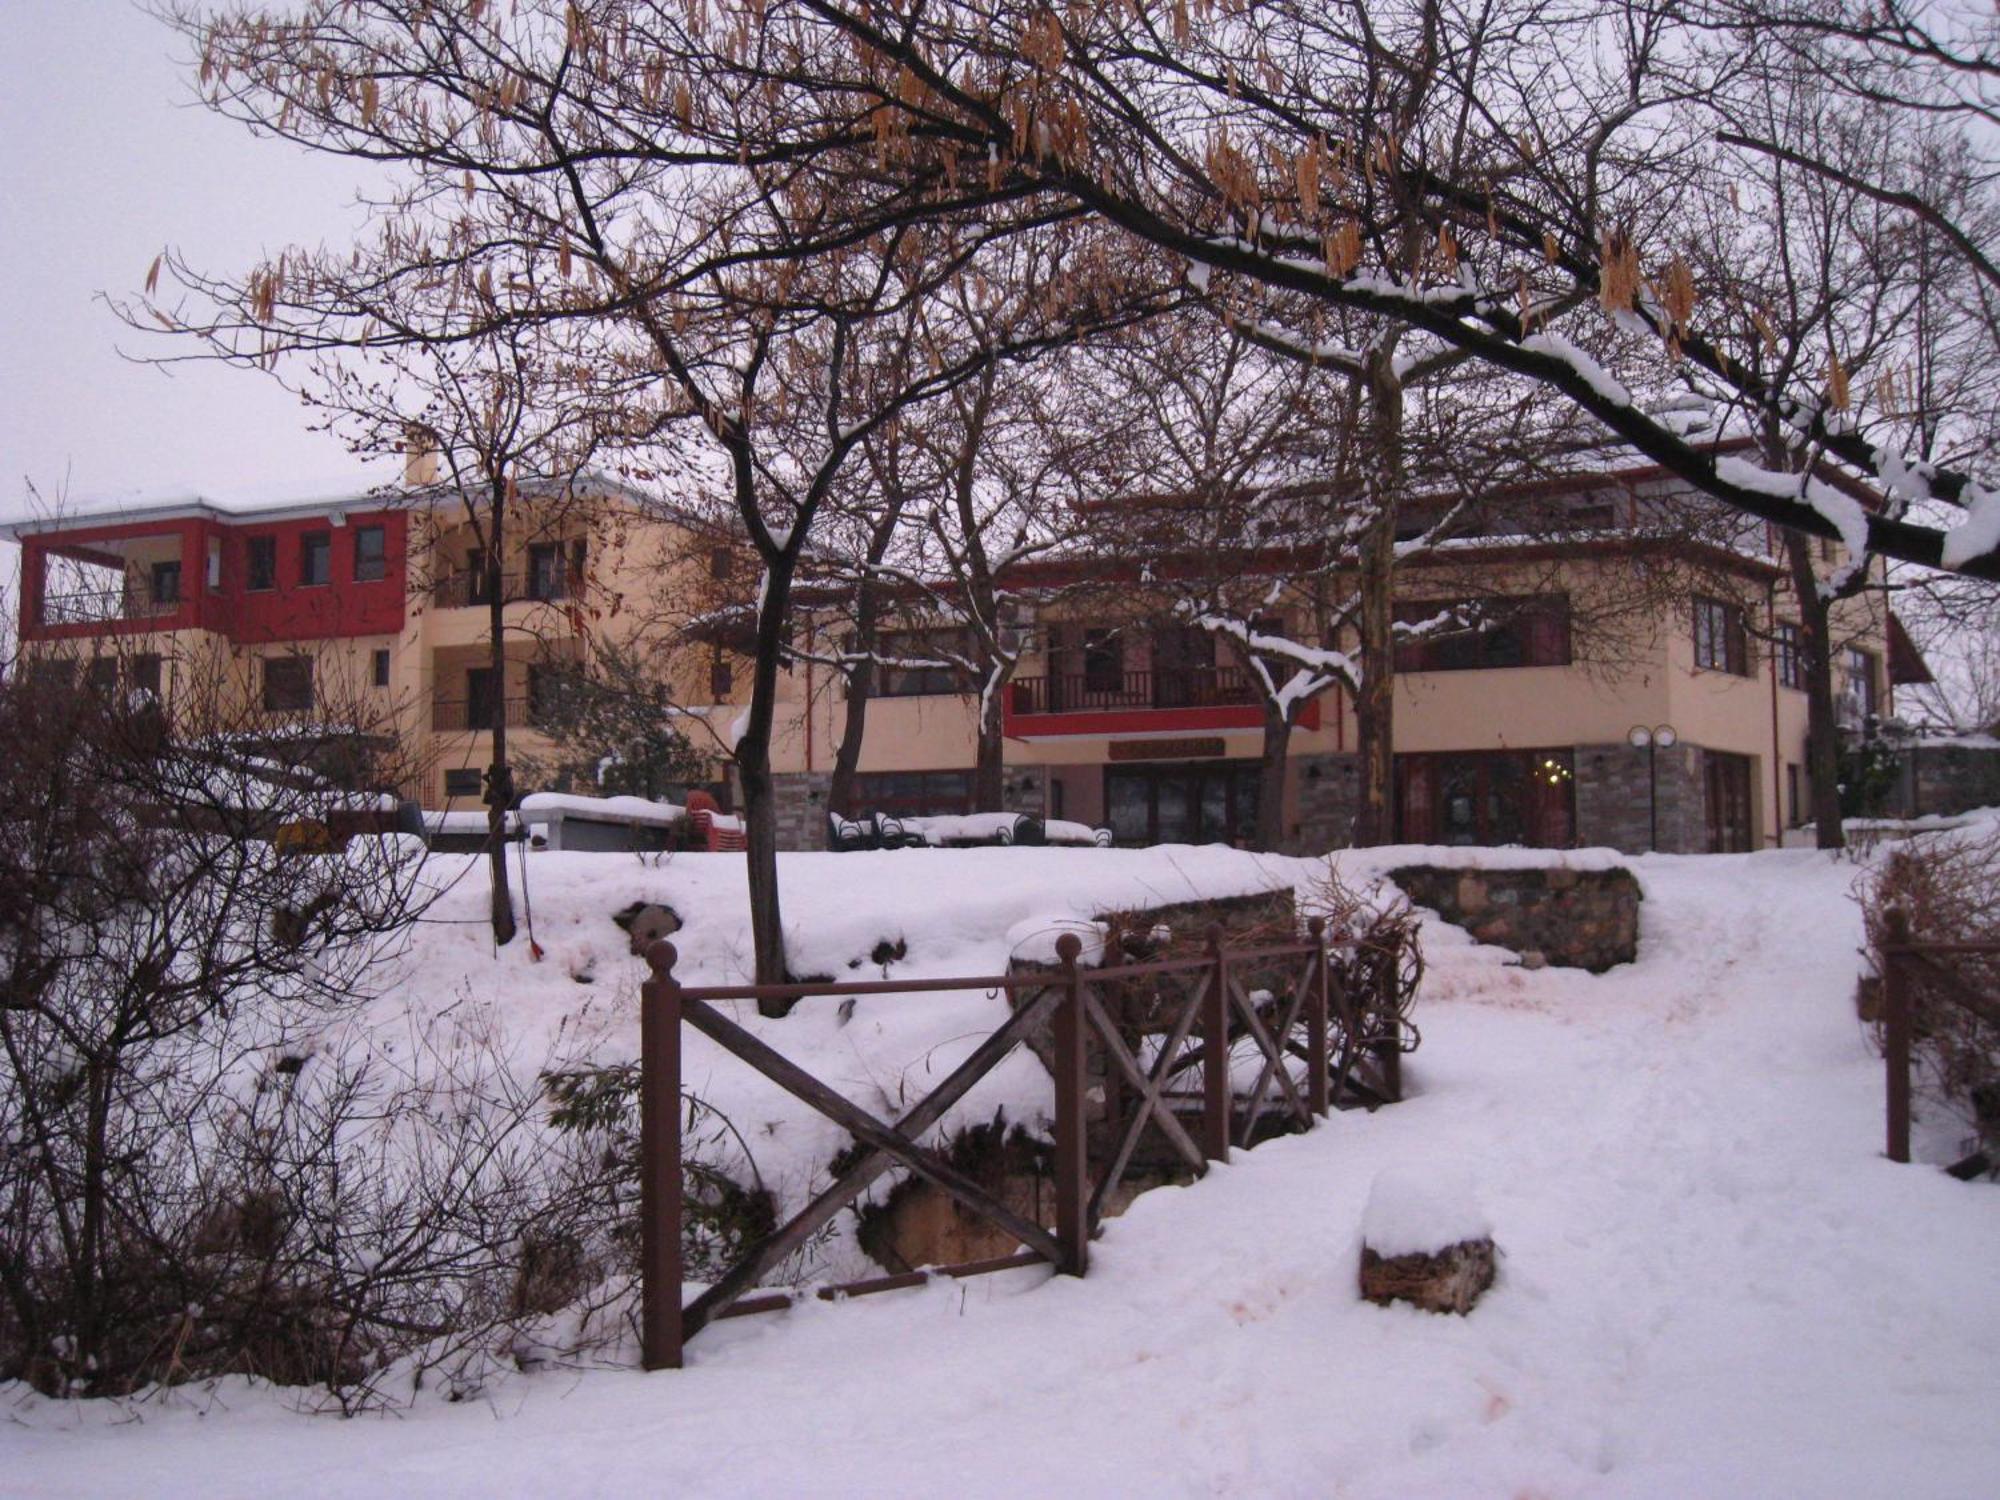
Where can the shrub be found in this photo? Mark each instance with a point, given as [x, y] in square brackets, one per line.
[1948, 886]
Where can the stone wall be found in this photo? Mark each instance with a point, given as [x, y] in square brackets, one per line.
[1614, 799]
[1948, 778]
[1329, 791]
[1577, 919]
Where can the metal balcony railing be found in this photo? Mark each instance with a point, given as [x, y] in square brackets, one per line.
[448, 714]
[463, 590]
[135, 601]
[1177, 687]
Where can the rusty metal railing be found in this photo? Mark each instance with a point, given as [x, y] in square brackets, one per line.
[1161, 1033]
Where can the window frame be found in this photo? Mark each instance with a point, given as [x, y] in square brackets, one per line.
[1721, 637]
[1535, 630]
[311, 542]
[371, 568]
[1790, 650]
[254, 548]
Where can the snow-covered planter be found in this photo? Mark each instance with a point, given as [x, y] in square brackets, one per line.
[1426, 1241]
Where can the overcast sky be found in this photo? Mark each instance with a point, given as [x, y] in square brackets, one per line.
[106, 161]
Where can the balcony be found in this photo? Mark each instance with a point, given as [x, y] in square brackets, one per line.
[135, 601]
[457, 715]
[464, 590]
[1115, 692]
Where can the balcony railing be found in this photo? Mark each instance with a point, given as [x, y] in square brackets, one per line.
[462, 590]
[1175, 687]
[449, 714]
[101, 606]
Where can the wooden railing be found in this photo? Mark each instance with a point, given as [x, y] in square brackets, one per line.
[1903, 961]
[1084, 692]
[1161, 1037]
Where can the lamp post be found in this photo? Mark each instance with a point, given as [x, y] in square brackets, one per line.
[1652, 741]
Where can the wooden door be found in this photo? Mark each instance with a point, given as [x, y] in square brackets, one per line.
[1727, 779]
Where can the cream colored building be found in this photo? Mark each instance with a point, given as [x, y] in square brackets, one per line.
[374, 607]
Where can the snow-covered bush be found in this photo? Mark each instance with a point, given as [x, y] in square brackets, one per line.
[204, 1166]
[1948, 886]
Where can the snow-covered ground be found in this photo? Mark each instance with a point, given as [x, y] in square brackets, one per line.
[1712, 1284]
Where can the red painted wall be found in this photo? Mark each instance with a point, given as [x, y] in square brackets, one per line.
[290, 611]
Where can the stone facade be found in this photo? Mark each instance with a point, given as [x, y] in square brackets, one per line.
[801, 800]
[1329, 792]
[1615, 799]
[1574, 919]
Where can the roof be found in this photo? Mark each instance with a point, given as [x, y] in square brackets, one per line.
[379, 488]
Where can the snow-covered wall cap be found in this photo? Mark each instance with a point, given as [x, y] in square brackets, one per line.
[1034, 941]
[1420, 1210]
[1386, 857]
[610, 809]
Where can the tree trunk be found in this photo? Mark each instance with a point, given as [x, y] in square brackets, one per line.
[1822, 720]
[1374, 700]
[499, 774]
[1271, 779]
[753, 765]
[847, 754]
[989, 771]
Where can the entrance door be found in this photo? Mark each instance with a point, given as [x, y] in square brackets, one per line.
[1728, 789]
[1182, 804]
[1487, 798]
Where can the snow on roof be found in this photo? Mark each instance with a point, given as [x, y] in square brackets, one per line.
[364, 489]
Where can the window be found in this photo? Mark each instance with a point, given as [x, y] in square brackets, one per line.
[288, 684]
[1103, 661]
[1791, 650]
[102, 676]
[371, 554]
[554, 571]
[462, 782]
[719, 562]
[382, 667]
[721, 679]
[260, 563]
[1719, 642]
[912, 794]
[316, 557]
[932, 646]
[1795, 816]
[143, 674]
[481, 693]
[1526, 632]
[1858, 701]
[166, 583]
[545, 684]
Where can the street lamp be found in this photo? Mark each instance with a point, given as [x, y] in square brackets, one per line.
[1652, 741]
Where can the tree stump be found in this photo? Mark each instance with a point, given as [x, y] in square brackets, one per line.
[1425, 1241]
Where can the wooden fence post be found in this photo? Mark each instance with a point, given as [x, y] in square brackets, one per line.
[1896, 1029]
[1318, 1089]
[1072, 1175]
[1215, 1104]
[660, 1162]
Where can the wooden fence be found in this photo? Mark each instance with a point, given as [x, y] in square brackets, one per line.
[1903, 959]
[1164, 1038]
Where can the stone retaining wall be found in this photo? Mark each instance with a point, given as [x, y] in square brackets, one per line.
[1576, 919]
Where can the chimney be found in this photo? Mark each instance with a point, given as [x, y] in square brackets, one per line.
[420, 456]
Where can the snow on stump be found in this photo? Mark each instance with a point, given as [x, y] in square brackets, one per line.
[1425, 1240]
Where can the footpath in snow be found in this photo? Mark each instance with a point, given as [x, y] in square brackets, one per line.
[1712, 1284]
